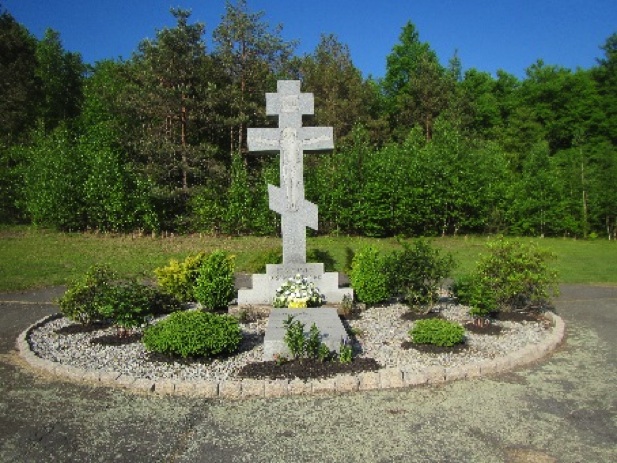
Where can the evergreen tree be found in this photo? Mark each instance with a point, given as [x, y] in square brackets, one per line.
[416, 85]
[61, 76]
[340, 92]
[252, 55]
[19, 92]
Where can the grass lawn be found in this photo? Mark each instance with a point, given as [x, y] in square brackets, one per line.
[31, 258]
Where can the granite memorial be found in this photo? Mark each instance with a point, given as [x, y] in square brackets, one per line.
[291, 140]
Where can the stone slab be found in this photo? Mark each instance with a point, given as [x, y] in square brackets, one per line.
[264, 286]
[326, 319]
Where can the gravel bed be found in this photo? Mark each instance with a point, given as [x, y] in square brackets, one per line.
[381, 333]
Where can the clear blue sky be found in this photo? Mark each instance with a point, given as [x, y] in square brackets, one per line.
[488, 34]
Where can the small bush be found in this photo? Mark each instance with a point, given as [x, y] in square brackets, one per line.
[194, 334]
[514, 276]
[128, 304]
[437, 331]
[369, 276]
[178, 279]
[215, 284]
[470, 292]
[416, 272]
[99, 296]
[84, 297]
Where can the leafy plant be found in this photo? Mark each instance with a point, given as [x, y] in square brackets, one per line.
[478, 297]
[128, 304]
[313, 342]
[194, 334]
[417, 271]
[294, 336]
[346, 353]
[513, 276]
[437, 331]
[215, 282]
[301, 345]
[369, 276]
[84, 297]
[323, 354]
[179, 278]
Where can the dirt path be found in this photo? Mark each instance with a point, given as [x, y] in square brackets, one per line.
[561, 410]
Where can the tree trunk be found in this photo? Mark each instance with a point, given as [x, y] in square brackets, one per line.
[183, 130]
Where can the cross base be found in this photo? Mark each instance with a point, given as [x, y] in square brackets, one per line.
[265, 286]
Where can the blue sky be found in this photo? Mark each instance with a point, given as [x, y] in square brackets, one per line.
[488, 34]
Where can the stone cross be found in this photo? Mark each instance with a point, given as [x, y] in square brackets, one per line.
[291, 139]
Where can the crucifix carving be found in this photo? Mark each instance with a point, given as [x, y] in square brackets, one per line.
[291, 139]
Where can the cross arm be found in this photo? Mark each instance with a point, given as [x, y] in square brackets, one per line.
[263, 139]
[317, 138]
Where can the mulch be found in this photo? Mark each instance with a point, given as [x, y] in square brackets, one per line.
[306, 368]
[433, 349]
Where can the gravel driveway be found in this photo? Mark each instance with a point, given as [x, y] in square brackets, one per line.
[563, 409]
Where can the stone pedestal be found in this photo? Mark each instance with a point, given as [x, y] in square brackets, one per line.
[326, 319]
[265, 286]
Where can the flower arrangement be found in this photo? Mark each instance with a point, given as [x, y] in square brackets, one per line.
[297, 293]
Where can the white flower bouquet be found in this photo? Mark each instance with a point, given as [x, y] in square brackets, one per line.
[297, 293]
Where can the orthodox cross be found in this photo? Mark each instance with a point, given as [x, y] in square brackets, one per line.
[291, 139]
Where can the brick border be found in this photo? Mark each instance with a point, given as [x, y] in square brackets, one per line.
[386, 378]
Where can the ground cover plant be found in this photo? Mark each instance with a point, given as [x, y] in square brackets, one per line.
[437, 331]
[193, 334]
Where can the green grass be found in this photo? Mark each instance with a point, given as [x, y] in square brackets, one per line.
[31, 258]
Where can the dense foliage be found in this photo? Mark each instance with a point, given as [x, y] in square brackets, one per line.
[158, 142]
[369, 276]
[214, 287]
[179, 279]
[511, 276]
[194, 334]
[436, 331]
[417, 272]
[414, 274]
[100, 296]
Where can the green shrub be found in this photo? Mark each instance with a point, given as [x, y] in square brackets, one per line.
[128, 304]
[369, 276]
[215, 284]
[514, 275]
[417, 271]
[99, 296]
[437, 331]
[194, 334]
[478, 297]
[179, 278]
[294, 336]
[83, 298]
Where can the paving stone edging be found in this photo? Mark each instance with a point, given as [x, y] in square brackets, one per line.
[386, 378]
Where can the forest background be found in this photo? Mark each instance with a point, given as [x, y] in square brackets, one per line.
[158, 142]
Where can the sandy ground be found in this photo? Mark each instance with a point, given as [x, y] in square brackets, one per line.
[564, 409]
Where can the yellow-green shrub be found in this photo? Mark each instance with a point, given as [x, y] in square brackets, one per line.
[179, 278]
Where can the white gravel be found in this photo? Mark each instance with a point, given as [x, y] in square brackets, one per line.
[380, 333]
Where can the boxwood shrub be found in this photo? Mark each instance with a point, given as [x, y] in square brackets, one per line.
[437, 331]
[194, 334]
[215, 282]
